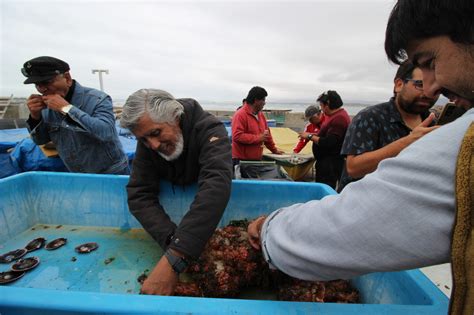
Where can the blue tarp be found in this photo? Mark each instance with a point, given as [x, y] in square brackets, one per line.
[27, 156]
[10, 138]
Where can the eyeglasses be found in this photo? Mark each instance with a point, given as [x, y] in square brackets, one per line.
[418, 84]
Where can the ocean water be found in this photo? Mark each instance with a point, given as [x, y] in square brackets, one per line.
[352, 109]
[295, 107]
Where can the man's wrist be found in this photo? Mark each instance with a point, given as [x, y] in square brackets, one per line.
[66, 109]
[260, 224]
[309, 137]
[178, 264]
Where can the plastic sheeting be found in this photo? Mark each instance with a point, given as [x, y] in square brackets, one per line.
[11, 137]
[26, 156]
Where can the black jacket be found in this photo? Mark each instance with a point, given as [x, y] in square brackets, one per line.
[207, 160]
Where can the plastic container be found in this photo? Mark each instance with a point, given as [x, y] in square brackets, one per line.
[49, 204]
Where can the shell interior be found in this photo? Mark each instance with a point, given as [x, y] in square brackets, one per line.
[86, 248]
[55, 244]
[26, 264]
[12, 255]
[10, 276]
[35, 244]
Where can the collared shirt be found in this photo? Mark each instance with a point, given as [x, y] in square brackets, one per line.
[371, 129]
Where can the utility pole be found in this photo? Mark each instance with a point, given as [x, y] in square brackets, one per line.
[100, 71]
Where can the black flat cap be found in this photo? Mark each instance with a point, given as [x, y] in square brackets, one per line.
[43, 68]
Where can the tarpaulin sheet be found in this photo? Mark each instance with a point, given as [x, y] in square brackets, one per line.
[10, 138]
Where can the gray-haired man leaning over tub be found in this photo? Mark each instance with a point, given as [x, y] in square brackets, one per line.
[180, 142]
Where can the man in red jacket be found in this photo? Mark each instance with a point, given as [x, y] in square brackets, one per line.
[250, 132]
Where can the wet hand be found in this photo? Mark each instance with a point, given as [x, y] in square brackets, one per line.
[254, 229]
[35, 104]
[55, 102]
[162, 280]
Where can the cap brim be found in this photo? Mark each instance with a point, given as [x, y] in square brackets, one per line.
[36, 79]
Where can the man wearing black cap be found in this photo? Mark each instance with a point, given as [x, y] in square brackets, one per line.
[77, 119]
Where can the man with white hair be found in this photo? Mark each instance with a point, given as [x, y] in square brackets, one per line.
[177, 141]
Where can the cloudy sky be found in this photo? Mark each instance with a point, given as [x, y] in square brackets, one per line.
[208, 50]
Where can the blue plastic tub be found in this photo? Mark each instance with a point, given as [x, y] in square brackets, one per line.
[87, 208]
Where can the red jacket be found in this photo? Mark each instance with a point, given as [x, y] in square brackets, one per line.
[310, 128]
[246, 131]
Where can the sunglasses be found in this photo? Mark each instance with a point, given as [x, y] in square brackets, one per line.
[418, 84]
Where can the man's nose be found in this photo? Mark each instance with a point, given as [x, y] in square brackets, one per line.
[154, 144]
[431, 88]
[41, 87]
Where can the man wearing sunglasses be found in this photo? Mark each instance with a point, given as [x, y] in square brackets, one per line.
[382, 131]
[78, 120]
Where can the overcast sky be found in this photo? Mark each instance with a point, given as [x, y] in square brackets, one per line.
[205, 50]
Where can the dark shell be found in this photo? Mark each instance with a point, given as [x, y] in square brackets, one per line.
[13, 255]
[86, 248]
[55, 244]
[10, 276]
[26, 264]
[35, 244]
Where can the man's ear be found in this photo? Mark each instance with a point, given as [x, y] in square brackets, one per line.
[398, 85]
[68, 77]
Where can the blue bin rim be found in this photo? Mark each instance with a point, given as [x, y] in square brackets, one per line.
[70, 301]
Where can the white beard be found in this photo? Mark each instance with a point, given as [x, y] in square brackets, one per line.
[177, 151]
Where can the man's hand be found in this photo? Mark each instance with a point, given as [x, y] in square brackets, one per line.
[422, 129]
[162, 280]
[280, 152]
[35, 105]
[265, 136]
[55, 102]
[253, 230]
[303, 135]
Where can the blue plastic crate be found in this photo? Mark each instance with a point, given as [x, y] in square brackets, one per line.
[93, 207]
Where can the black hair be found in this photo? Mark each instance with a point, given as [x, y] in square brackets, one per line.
[421, 19]
[405, 71]
[256, 93]
[330, 98]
